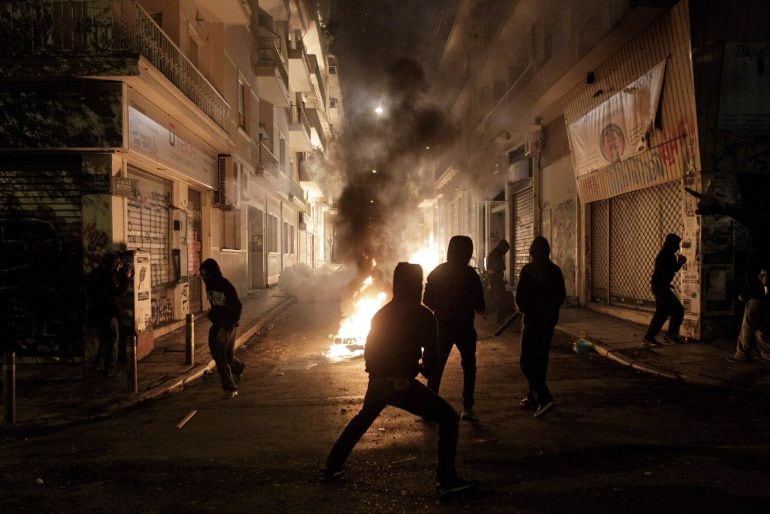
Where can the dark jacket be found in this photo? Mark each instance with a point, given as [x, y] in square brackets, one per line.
[496, 258]
[223, 298]
[104, 287]
[540, 291]
[453, 290]
[402, 329]
[754, 290]
[666, 264]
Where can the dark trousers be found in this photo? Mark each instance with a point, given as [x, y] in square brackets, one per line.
[108, 334]
[666, 304]
[222, 348]
[465, 339]
[411, 396]
[535, 347]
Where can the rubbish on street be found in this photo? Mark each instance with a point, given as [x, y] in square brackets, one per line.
[187, 418]
[583, 346]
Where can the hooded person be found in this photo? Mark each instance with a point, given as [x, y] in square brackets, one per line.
[667, 305]
[454, 293]
[104, 286]
[401, 341]
[225, 312]
[495, 266]
[540, 293]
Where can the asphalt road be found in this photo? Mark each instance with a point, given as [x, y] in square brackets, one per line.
[617, 442]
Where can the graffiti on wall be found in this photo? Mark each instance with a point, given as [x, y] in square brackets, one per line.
[162, 306]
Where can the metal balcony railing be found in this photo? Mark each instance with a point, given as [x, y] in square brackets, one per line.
[270, 56]
[297, 191]
[299, 117]
[94, 29]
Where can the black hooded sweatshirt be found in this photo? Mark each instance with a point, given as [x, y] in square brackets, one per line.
[401, 329]
[540, 291]
[223, 298]
[666, 264]
[453, 290]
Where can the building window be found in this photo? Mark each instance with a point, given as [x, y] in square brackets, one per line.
[285, 246]
[243, 95]
[231, 229]
[282, 154]
[272, 233]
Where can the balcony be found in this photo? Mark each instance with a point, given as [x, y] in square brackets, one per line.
[97, 38]
[318, 82]
[267, 159]
[299, 72]
[271, 72]
[297, 195]
[299, 129]
[318, 129]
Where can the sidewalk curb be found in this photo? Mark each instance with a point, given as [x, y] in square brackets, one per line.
[194, 374]
[605, 352]
[199, 370]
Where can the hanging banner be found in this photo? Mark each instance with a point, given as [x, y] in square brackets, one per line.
[616, 129]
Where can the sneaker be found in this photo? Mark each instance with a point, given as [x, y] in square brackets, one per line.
[469, 414]
[229, 395]
[331, 475]
[650, 342]
[541, 410]
[676, 339]
[454, 486]
[527, 404]
[238, 374]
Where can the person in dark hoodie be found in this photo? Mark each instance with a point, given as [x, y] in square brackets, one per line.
[496, 273]
[224, 314]
[402, 333]
[539, 295]
[454, 293]
[104, 286]
[667, 263]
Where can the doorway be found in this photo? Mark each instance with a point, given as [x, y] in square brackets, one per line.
[256, 248]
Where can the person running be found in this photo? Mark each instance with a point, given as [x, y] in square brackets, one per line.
[667, 305]
[454, 293]
[224, 314]
[393, 354]
[539, 296]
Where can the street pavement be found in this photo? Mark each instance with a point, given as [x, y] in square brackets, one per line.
[57, 395]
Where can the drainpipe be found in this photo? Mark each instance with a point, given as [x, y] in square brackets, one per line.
[533, 147]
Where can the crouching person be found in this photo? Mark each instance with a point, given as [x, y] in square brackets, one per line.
[224, 315]
[394, 349]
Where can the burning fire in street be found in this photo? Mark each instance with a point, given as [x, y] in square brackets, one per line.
[350, 339]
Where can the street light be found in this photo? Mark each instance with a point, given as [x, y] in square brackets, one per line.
[379, 110]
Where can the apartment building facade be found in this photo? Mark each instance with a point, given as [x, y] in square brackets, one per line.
[548, 145]
[155, 126]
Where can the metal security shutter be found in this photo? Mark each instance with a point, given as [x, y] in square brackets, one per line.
[148, 223]
[524, 231]
[194, 247]
[41, 232]
[600, 254]
[636, 224]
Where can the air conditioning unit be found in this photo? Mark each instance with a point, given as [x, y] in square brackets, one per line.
[227, 195]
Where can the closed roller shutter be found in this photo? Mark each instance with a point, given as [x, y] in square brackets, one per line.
[147, 229]
[524, 231]
[627, 233]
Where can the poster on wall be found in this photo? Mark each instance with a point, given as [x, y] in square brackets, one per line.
[617, 128]
[744, 103]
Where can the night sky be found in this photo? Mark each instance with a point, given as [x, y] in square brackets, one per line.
[370, 34]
